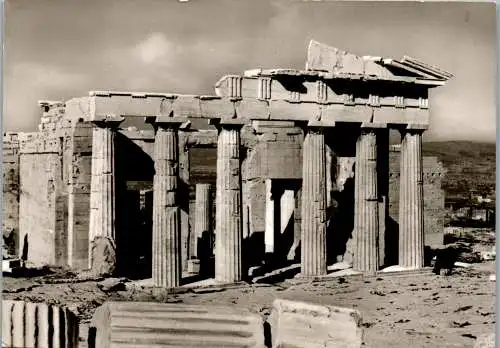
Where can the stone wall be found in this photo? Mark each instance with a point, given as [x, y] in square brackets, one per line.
[44, 172]
[10, 193]
[277, 154]
[434, 195]
[79, 195]
[40, 238]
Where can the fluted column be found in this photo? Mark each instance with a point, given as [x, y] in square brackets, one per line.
[228, 238]
[102, 244]
[166, 215]
[383, 192]
[270, 223]
[313, 227]
[366, 216]
[203, 232]
[411, 201]
[30, 325]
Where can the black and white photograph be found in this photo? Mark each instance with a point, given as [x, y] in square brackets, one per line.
[238, 173]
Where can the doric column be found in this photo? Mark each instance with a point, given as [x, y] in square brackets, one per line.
[383, 191]
[228, 238]
[102, 244]
[203, 232]
[366, 216]
[411, 201]
[166, 215]
[313, 227]
[183, 195]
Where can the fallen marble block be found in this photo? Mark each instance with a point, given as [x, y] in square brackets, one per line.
[298, 324]
[38, 325]
[149, 324]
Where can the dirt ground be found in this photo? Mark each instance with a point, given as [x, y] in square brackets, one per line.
[413, 311]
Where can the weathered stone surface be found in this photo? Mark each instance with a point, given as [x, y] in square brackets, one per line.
[485, 341]
[144, 324]
[203, 231]
[112, 284]
[40, 236]
[79, 180]
[411, 202]
[434, 174]
[366, 225]
[343, 107]
[38, 325]
[10, 221]
[228, 238]
[313, 235]
[327, 58]
[103, 255]
[298, 324]
[166, 215]
[102, 197]
[186, 230]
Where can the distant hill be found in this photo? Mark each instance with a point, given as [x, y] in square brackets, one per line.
[469, 165]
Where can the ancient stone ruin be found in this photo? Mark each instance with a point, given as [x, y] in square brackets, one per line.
[291, 324]
[305, 174]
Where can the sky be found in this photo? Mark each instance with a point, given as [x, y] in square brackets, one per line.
[60, 49]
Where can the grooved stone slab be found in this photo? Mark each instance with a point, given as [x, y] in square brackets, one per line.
[38, 325]
[148, 324]
[298, 324]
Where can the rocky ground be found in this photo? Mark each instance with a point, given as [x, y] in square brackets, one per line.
[414, 311]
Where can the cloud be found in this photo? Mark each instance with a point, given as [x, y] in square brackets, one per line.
[42, 76]
[156, 49]
[25, 83]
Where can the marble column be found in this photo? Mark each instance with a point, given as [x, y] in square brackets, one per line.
[203, 232]
[166, 212]
[270, 206]
[366, 215]
[383, 192]
[187, 240]
[102, 243]
[228, 238]
[411, 201]
[313, 226]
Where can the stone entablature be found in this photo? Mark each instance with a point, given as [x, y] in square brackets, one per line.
[102, 105]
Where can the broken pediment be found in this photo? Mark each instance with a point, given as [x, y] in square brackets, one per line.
[321, 57]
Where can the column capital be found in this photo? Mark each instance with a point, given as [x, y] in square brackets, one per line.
[108, 121]
[373, 125]
[413, 128]
[227, 123]
[167, 122]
